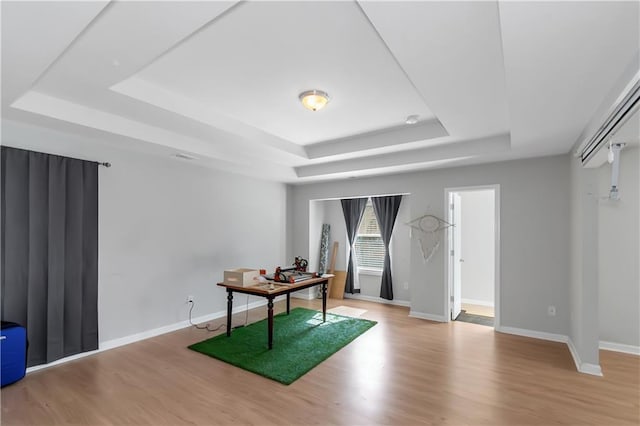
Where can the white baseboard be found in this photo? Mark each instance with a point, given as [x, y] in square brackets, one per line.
[533, 333]
[360, 296]
[305, 294]
[114, 343]
[430, 317]
[62, 360]
[619, 347]
[582, 367]
[477, 302]
[121, 341]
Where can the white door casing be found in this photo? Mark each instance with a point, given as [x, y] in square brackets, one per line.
[456, 252]
[450, 265]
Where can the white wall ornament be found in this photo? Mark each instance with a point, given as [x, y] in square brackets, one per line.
[428, 232]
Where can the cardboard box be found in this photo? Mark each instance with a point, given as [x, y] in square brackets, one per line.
[241, 277]
[336, 285]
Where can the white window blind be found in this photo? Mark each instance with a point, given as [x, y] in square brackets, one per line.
[369, 246]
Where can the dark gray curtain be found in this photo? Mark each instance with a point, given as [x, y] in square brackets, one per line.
[352, 208]
[386, 210]
[50, 252]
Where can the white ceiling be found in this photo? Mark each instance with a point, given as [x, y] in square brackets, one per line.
[490, 81]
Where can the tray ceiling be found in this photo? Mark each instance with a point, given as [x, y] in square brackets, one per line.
[219, 81]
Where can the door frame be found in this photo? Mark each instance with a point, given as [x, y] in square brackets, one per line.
[448, 279]
[455, 265]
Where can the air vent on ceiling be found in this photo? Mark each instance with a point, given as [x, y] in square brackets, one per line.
[622, 111]
[184, 156]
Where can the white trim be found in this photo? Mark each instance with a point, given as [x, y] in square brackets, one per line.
[306, 294]
[497, 268]
[592, 369]
[430, 317]
[121, 341]
[358, 296]
[619, 347]
[497, 258]
[62, 361]
[552, 337]
[477, 302]
[583, 367]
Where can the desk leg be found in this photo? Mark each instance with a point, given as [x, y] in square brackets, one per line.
[229, 309]
[270, 316]
[288, 302]
[324, 301]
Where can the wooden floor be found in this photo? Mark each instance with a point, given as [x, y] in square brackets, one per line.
[404, 371]
[486, 311]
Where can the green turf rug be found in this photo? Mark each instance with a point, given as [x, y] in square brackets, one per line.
[300, 342]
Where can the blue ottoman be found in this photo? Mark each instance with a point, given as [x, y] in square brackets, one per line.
[13, 353]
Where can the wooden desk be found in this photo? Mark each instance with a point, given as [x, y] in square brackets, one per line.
[278, 290]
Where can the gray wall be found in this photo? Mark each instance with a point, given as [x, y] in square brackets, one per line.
[584, 263]
[534, 233]
[619, 253]
[478, 246]
[168, 229]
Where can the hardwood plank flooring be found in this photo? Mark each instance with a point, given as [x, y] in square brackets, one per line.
[404, 371]
[486, 311]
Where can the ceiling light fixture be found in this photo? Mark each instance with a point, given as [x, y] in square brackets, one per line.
[314, 99]
[412, 119]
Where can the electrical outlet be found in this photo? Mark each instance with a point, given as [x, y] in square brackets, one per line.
[189, 299]
[551, 311]
[406, 286]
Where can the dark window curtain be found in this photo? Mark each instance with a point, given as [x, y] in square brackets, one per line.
[352, 208]
[50, 252]
[386, 210]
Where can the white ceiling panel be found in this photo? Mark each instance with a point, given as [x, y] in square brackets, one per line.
[126, 37]
[388, 138]
[561, 60]
[452, 51]
[253, 69]
[34, 34]
[434, 153]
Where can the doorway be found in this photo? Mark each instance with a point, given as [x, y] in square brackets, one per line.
[473, 260]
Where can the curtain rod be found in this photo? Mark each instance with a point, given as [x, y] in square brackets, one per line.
[361, 196]
[104, 163]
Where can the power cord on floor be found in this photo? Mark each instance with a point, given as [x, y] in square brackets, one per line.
[206, 326]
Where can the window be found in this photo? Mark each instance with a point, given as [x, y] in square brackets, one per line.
[369, 246]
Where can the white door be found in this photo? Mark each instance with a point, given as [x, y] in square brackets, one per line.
[456, 260]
